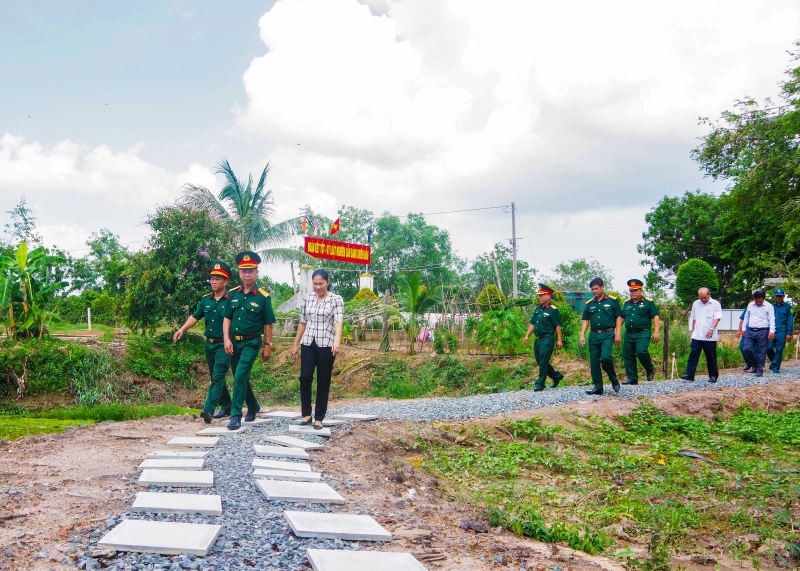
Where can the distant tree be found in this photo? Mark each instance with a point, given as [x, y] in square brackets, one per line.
[691, 276]
[575, 275]
[481, 272]
[22, 227]
[491, 299]
[103, 267]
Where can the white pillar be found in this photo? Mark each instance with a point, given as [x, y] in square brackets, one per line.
[305, 280]
[89, 317]
[366, 281]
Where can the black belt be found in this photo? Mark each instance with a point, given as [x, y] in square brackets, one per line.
[245, 337]
[637, 330]
[606, 330]
[759, 328]
[543, 335]
[214, 340]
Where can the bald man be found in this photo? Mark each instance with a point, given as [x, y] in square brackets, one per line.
[706, 315]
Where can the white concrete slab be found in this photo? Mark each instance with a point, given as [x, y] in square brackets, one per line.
[355, 416]
[282, 414]
[283, 440]
[164, 503]
[196, 441]
[278, 465]
[177, 478]
[257, 421]
[220, 431]
[164, 537]
[281, 452]
[177, 454]
[333, 422]
[343, 560]
[287, 476]
[333, 526]
[313, 493]
[294, 429]
[172, 464]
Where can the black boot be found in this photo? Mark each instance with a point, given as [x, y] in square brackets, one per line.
[630, 382]
[687, 378]
[594, 392]
[206, 416]
[615, 385]
[651, 375]
[221, 414]
[235, 423]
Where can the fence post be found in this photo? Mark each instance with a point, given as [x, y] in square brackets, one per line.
[665, 352]
[89, 317]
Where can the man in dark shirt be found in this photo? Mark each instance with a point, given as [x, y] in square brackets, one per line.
[604, 315]
[212, 308]
[545, 322]
[784, 327]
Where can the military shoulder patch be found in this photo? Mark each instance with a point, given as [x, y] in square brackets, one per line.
[590, 301]
[263, 292]
[234, 288]
[208, 294]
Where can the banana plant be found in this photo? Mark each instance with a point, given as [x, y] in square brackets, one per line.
[25, 291]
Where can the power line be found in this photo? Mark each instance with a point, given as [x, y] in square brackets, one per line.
[455, 211]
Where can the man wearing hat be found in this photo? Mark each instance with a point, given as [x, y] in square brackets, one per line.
[641, 316]
[604, 315]
[545, 322]
[249, 316]
[212, 308]
[784, 327]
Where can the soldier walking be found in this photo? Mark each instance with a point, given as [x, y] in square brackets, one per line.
[545, 322]
[641, 320]
[212, 308]
[249, 317]
[604, 315]
[784, 327]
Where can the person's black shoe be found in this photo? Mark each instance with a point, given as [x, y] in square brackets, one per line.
[318, 426]
[615, 385]
[538, 389]
[651, 375]
[555, 383]
[250, 417]
[235, 423]
[630, 382]
[221, 414]
[206, 416]
[687, 378]
[776, 371]
[594, 392]
[759, 374]
[712, 379]
[746, 368]
[306, 422]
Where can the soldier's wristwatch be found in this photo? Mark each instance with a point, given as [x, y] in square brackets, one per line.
[268, 343]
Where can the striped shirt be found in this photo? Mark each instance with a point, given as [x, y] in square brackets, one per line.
[320, 317]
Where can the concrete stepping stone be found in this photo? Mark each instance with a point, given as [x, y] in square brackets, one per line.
[287, 476]
[177, 454]
[282, 414]
[168, 503]
[336, 526]
[177, 478]
[333, 422]
[172, 464]
[220, 431]
[294, 429]
[281, 452]
[310, 492]
[164, 537]
[355, 416]
[283, 440]
[278, 465]
[199, 442]
[257, 421]
[343, 560]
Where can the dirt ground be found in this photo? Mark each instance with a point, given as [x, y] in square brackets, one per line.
[61, 486]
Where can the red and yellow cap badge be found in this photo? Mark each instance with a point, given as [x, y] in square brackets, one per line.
[248, 259]
[635, 284]
[220, 268]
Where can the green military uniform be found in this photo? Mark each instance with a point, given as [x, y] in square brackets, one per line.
[545, 320]
[213, 311]
[249, 313]
[638, 329]
[602, 317]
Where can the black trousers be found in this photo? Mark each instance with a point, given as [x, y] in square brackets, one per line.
[319, 358]
[710, 349]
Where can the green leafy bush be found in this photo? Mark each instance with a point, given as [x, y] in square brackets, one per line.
[692, 275]
[501, 331]
[491, 299]
[164, 360]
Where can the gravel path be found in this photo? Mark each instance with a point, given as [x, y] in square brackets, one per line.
[481, 406]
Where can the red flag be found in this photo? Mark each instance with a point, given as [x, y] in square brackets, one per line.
[335, 227]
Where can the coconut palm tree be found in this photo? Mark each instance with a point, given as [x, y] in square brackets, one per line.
[249, 209]
[415, 299]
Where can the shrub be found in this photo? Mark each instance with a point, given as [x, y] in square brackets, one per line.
[365, 294]
[491, 299]
[691, 276]
[104, 309]
[501, 330]
[439, 342]
[452, 343]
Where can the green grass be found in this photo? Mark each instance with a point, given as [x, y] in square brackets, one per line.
[558, 484]
[15, 427]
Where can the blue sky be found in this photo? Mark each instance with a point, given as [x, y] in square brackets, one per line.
[583, 114]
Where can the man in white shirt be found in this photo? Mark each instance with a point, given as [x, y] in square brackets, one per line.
[706, 315]
[759, 319]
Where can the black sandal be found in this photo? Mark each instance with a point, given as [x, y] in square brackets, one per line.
[318, 426]
[306, 422]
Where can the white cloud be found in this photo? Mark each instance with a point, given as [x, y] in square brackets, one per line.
[68, 167]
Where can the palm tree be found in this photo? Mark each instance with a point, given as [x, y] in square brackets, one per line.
[249, 210]
[414, 299]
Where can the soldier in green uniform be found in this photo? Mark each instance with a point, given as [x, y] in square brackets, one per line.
[604, 315]
[545, 322]
[249, 317]
[640, 315]
[212, 308]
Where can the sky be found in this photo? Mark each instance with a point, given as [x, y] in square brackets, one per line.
[584, 114]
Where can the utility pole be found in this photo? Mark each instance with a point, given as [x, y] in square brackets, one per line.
[513, 252]
[496, 273]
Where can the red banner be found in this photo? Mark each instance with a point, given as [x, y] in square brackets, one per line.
[337, 251]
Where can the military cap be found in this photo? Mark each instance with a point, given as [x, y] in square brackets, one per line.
[248, 259]
[779, 291]
[220, 268]
[545, 289]
[635, 284]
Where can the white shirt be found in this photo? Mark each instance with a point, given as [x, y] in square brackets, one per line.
[703, 316]
[760, 317]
